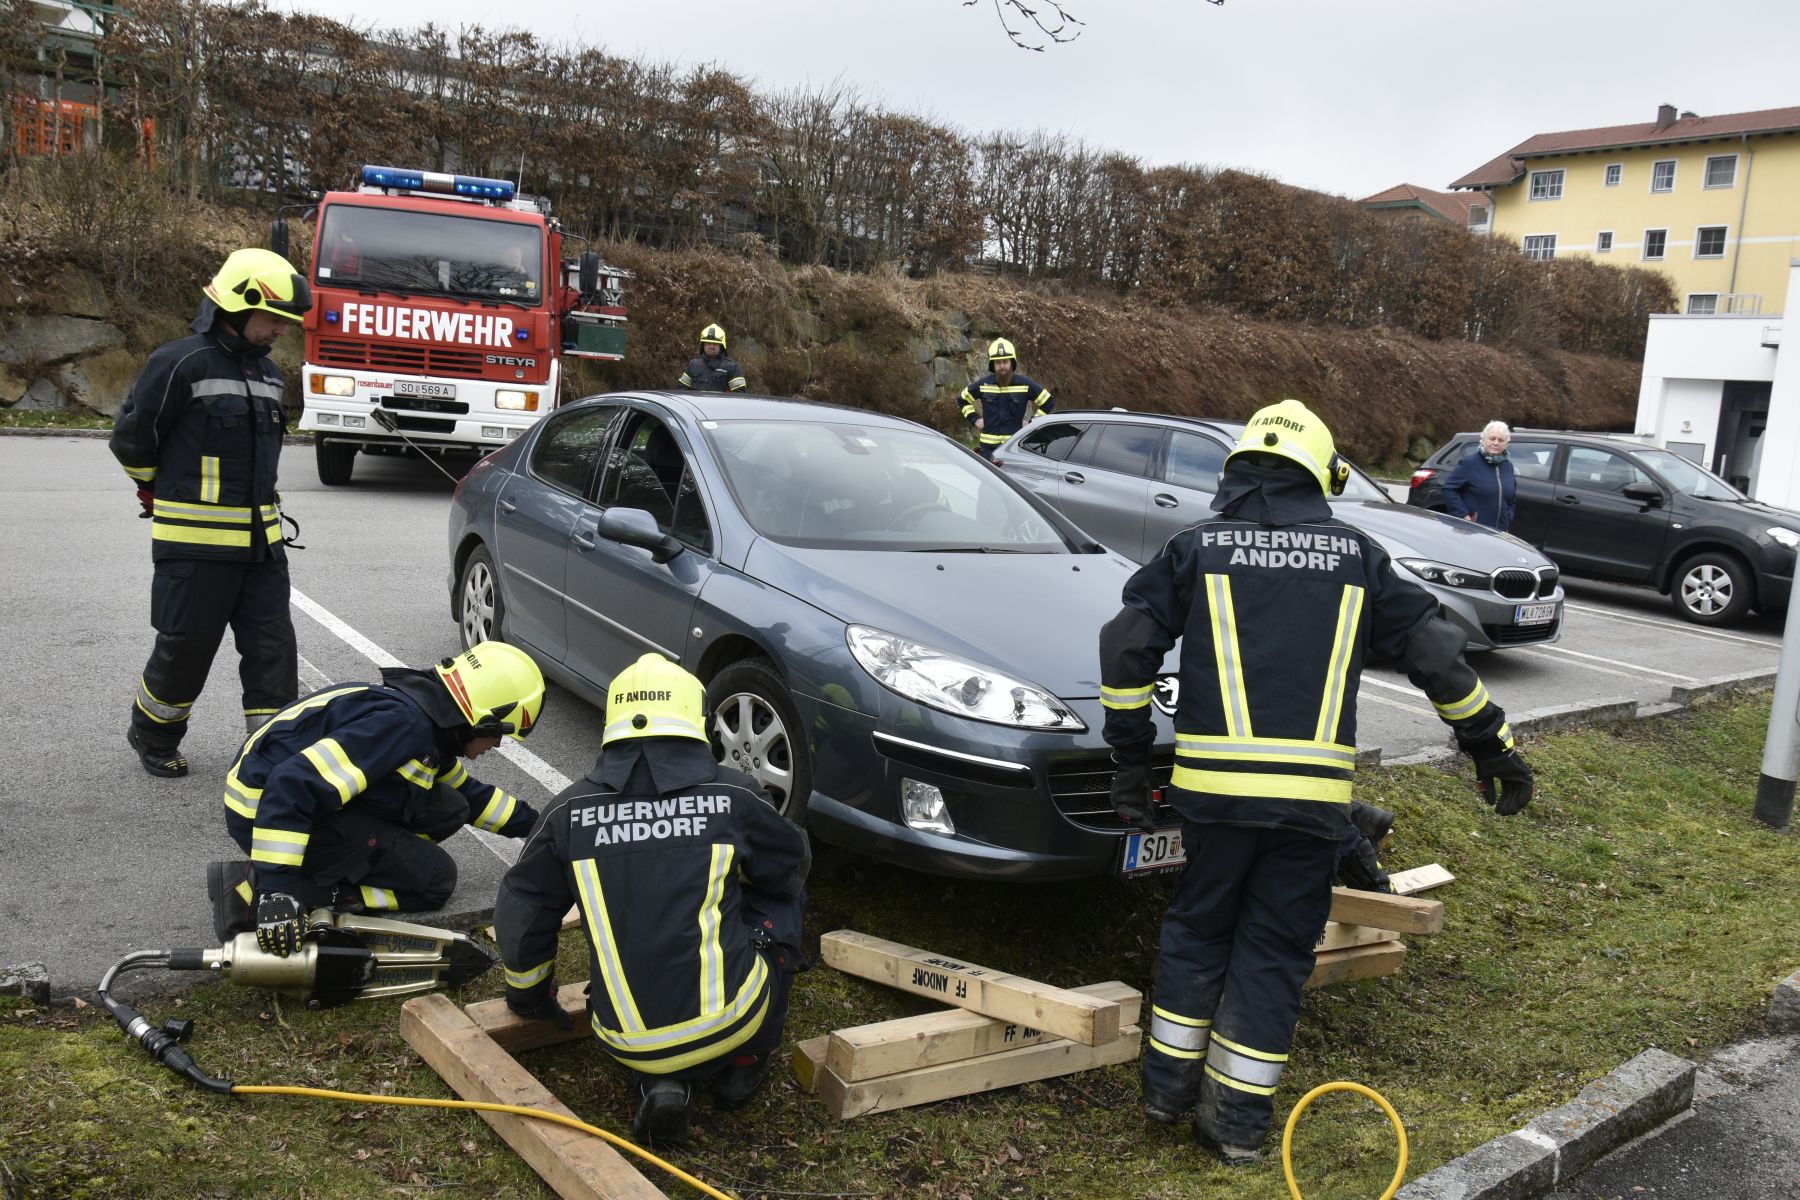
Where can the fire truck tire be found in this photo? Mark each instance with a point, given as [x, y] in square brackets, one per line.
[480, 609]
[336, 460]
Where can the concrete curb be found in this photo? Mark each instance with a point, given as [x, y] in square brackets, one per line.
[1635, 1098]
[30, 980]
[1784, 1006]
[1747, 681]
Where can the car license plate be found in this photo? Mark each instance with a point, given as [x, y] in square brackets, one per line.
[1534, 614]
[424, 387]
[1148, 854]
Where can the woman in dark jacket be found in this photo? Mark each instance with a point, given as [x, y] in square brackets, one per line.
[1482, 488]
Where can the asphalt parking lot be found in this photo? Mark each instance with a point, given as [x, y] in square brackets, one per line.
[97, 858]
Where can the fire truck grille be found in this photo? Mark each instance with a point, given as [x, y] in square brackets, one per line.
[415, 360]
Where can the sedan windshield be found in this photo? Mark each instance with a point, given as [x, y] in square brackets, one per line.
[856, 487]
[1684, 476]
[430, 254]
[1361, 487]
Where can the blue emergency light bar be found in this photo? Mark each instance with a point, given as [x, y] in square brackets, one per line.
[473, 186]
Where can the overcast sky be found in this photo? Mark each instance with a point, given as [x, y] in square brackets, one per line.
[1346, 96]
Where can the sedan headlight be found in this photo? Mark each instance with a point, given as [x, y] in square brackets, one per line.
[1445, 574]
[516, 400]
[1786, 537]
[965, 689]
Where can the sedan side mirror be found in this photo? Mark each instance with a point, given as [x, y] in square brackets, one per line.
[635, 527]
[1643, 493]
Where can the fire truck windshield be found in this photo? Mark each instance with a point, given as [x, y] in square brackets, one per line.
[430, 254]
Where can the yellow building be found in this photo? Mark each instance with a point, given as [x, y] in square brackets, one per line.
[1713, 202]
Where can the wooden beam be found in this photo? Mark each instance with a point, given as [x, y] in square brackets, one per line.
[576, 1165]
[1005, 1069]
[1086, 1019]
[1419, 879]
[809, 1060]
[949, 1035]
[514, 1034]
[1403, 913]
[1339, 936]
[1358, 962]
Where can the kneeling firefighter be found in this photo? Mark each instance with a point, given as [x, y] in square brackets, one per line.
[342, 797]
[1275, 603]
[692, 891]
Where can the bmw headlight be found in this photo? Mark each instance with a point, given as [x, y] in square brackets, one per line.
[1786, 537]
[965, 689]
[1444, 573]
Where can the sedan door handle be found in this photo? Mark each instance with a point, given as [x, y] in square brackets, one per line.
[1074, 477]
[507, 506]
[1567, 499]
[1164, 500]
[584, 543]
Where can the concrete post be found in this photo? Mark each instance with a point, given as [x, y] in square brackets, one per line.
[1781, 751]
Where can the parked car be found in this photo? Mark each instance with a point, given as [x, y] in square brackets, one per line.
[1133, 480]
[897, 642]
[1614, 508]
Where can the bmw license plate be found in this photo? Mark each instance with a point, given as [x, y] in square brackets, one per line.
[425, 387]
[1534, 614]
[1148, 854]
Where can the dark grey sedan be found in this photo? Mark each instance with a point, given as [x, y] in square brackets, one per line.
[900, 644]
[1134, 480]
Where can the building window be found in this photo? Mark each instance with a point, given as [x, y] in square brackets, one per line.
[1603, 242]
[1547, 185]
[1478, 215]
[1615, 174]
[1721, 171]
[1709, 241]
[1540, 245]
[1703, 304]
[1662, 175]
[1656, 241]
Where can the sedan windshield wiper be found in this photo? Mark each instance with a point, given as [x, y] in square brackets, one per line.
[976, 550]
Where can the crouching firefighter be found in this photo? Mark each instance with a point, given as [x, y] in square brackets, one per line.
[342, 798]
[692, 890]
[1276, 604]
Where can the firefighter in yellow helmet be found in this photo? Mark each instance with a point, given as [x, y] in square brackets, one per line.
[1002, 402]
[712, 370]
[655, 830]
[200, 436]
[1276, 603]
[343, 798]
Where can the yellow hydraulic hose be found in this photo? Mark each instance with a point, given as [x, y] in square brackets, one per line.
[1287, 1135]
[517, 1111]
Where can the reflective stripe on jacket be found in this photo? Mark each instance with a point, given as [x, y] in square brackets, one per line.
[1002, 409]
[721, 374]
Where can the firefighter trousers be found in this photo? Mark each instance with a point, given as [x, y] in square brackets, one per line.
[357, 860]
[1237, 946]
[192, 602]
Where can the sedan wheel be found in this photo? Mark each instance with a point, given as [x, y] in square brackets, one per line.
[479, 608]
[1712, 589]
[755, 729]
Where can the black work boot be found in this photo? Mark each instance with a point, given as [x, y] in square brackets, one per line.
[233, 901]
[1373, 823]
[663, 1114]
[1165, 1108]
[733, 1086]
[1229, 1154]
[164, 764]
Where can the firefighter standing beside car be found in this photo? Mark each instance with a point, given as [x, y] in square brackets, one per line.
[1276, 604]
[200, 435]
[712, 370]
[691, 889]
[1002, 402]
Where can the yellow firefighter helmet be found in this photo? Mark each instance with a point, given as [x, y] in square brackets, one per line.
[714, 334]
[653, 697]
[260, 279]
[497, 687]
[1293, 431]
[1001, 348]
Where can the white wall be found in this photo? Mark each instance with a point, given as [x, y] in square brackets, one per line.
[1778, 479]
[1693, 402]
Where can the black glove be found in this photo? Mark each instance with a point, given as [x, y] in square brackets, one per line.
[279, 923]
[1131, 795]
[1361, 868]
[147, 498]
[543, 1008]
[1504, 781]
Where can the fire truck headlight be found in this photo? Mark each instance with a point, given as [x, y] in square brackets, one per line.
[511, 398]
[354, 422]
[333, 385]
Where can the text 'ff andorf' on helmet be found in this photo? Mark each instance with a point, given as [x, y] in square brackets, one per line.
[497, 687]
[1293, 431]
[1000, 348]
[714, 334]
[653, 697]
[260, 280]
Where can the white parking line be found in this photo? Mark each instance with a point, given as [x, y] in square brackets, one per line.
[1415, 708]
[1680, 626]
[506, 849]
[1632, 671]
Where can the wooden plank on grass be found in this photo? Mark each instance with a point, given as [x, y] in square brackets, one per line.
[576, 1165]
[1080, 1018]
[1419, 879]
[949, 1035]
[809, 1060]
[1005, 1069]
[1358, 962]
[1339, 936]
[1407, 914]
[514, 1034]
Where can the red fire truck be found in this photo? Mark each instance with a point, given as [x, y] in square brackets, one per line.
[443, 312]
